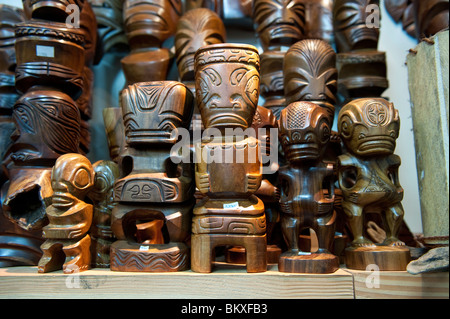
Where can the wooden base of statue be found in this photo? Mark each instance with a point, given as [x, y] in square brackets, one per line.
[386, 258]
[309, 263]
[215, 224]
[203, 245]
[70, 255]
[136, 257]
[236, 255]
[144, 66]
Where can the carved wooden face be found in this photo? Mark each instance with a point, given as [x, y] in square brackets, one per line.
[227, 84]
[106, 173]
[148, 23]
[109, 18]
[432, 16]
[47, 125]
[350, 25]
[310, 73]
[72, 178]
[304, 131]
[369, 127]
[152, 110]
[279, 22]
[196, 28]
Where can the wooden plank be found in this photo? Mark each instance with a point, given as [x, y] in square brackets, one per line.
[400, 284]
[224, 282]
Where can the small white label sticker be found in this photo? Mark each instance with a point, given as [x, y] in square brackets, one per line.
[144, 248]
[231, 205]
[45, 51]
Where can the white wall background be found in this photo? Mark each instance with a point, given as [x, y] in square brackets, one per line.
[393, 40]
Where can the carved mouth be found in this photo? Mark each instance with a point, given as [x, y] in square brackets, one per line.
[62, 200]
[377, 145]
[280, 31]
[302, 152]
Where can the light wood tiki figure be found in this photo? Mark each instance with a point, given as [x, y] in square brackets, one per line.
[262, 122]
[368, 178]
[154, 198]
[361, 67]
[67, 244]
[228, 166]
[306, 187]
[148, 23]
[101, 195]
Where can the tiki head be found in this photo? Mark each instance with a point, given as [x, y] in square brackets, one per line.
[153, 110]
[304, 131]
[148, 23]
[350, 25]
[227, 84]
[279, 22]
[196, 28]
[310, 74]
[72, 178]
[369, 127]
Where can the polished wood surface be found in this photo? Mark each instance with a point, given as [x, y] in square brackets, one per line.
[368, 171]
[154, 196]
[306, 186]
[67, 244]
[227, 90]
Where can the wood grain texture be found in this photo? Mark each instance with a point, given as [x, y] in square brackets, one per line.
[401, 285]
[228, 282]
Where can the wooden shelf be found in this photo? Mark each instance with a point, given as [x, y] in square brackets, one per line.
[226, 282]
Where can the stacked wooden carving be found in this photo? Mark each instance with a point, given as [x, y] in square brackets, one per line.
[137, 211]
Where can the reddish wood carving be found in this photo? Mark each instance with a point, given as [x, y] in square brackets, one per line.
[67, 244]
[154, 199]
[227, 89]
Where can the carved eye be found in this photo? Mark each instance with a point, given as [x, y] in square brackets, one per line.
[346, 127]
[284, 140]
[82, 178]
[22, 115]
[296, 137]
[324, 132]
[349, 14]
[100, 183]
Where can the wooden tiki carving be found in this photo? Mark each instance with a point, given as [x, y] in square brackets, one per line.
[279, 23]
[109, 16]
[49, 54]
[101, 195]
[369, 181]
[154, 199]
[196, 28]
[310, 74]
[350, 27]
[227, 89]
[47, 126]
[67, 244]
[306, 188]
